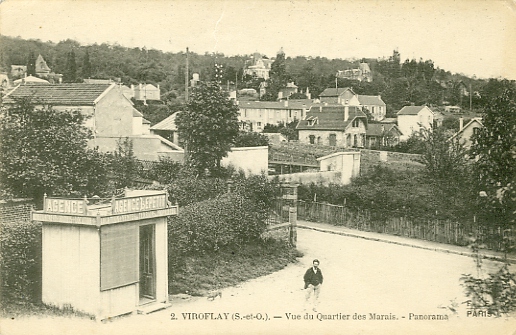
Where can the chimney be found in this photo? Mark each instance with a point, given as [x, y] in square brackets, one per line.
[461, 123]
[412, 104]
[346, 113]
[285, 103]
[308, 94]
[320, 109]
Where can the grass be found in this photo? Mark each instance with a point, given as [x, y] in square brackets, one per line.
[230, 266]
[14, 310]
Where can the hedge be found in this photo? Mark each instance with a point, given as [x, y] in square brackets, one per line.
[20, 261]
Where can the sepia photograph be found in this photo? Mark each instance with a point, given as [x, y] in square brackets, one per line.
[257, 167]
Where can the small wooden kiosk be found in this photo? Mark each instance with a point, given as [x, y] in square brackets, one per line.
[106, 259]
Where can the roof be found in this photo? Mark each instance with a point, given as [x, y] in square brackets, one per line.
[330, 117]
[411, 110]
[59, 94]
[137, 113]
[292, 104]
[31, 80]
[41, 65]
[167, 124]
[334, 92]
[379, 129]
[370, 100]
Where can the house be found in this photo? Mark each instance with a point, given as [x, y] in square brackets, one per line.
[362, 73]
[412, 119]
[260, 67]
[343, 96]
[336, 125]
[254, 115]
[465, 133]
[167, 128]
[382, 135]
[42, 69]
[287, 91]
[18, 71]
[374, 104]
[111, 116]
[144, 92]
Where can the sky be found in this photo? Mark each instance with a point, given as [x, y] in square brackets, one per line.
[473, 37]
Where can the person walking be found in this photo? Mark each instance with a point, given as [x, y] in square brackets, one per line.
[313, 280]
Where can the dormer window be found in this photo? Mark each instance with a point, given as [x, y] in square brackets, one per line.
[356, 123]
[312, 120]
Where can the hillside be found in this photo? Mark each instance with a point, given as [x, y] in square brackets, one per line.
[398, 82]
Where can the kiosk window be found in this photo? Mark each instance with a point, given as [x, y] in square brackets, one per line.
[118, 255]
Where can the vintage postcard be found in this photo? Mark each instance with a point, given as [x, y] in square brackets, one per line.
[257, 167]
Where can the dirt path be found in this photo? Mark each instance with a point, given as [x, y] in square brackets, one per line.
[361, 277]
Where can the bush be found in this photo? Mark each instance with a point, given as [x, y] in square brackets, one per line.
[230, 219]
[20, 263]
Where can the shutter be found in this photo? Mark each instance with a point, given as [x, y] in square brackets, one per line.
[118, 255]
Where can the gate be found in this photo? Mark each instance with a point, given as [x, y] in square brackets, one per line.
[283, 213]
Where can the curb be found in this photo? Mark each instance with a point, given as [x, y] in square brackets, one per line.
[407, 244]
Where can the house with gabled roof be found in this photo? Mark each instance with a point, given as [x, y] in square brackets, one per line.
[380, 135]
[341, 95]
[412, 119]
[111, 116]
[334, 125]
[254, 115]
[466, 132]
[374, 104]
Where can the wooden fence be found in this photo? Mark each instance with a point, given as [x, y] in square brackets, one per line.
[443, 231]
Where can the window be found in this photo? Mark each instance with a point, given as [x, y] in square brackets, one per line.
[333, 140]
[118, 255]
[312, 139]
[258, 124]
[476, 131]
[356, 123]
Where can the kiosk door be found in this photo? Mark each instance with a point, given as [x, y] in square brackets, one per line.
[147, 264]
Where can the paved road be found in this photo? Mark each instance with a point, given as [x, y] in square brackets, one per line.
[361, 277]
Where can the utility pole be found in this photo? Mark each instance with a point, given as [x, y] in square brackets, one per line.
[470, 98]
[187, 76]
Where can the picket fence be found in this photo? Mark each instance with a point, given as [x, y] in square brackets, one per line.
[436, 230]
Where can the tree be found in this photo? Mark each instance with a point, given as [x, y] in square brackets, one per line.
[208, 127]
[43, 150]
[495, 147]
[86, 65]
[31, 64]
[278, 78]
[126, 168]
[251, 139]
[449, 170]
[70, 75]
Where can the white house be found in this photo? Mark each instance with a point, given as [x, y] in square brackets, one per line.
[466, 132]
[414, 118]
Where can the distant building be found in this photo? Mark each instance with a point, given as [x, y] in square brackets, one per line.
[42, 69]
[374, 104]
[144, 92]
[336, 125]
[343, 96]
[287, 91]
[111, 116]
[465, 133]
[382, 135]
[18, 71]
[30, 80]
[362, 73]
[260, 67]
[254, 115]
[412, 119]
